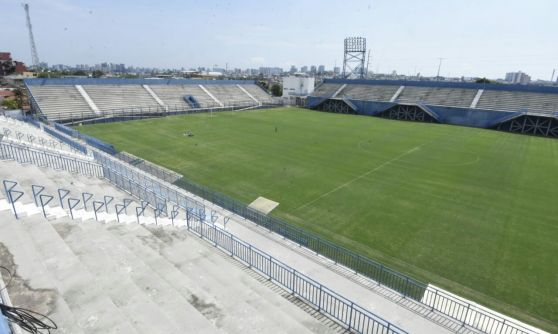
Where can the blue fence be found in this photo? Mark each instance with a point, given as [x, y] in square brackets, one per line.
[122, 81]
[108, 148]
[352, 316]
[73, 144]
[32, 121]
[41, 158]
[113, 169]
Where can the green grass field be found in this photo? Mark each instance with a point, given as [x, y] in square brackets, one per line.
[473, 211]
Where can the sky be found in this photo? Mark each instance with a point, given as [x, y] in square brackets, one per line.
[484, 38]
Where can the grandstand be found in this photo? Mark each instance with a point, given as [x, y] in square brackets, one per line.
[121, 97]
[515, 108]
[173, 95]
[71, 100]
[62, 102]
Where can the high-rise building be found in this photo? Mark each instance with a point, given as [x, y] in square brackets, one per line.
[518, 78]
[304, 69]
[293, 69]
[321, 69]
[336, 70]
[313, 69]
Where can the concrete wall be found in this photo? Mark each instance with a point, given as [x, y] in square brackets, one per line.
[119, 81]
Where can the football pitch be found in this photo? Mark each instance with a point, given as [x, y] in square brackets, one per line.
[470, 210]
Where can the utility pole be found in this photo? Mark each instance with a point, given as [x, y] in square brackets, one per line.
[34, 54]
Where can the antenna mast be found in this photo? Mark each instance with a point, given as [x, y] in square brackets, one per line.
[34, 54]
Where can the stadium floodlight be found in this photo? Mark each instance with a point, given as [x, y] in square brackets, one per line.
[354, 57]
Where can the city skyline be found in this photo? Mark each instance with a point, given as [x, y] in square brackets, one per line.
[480, 39]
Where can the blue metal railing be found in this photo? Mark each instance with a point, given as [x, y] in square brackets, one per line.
[352, 316]
[73, 144]
[105, 147]
[41, 158]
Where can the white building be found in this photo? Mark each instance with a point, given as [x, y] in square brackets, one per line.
[297, 86]
[517, 78]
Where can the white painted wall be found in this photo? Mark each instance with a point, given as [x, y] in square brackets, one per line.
[297, 86]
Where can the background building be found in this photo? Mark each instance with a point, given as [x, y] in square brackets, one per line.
[517, 78]
[297, 86]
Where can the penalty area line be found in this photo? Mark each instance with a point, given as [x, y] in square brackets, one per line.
[360, 177]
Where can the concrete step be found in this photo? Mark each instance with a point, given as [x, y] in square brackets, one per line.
[212, 279]
[32, 287]
[93, 310]
[152, 303]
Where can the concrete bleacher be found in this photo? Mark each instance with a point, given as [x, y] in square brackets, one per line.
[533, 103]
[230, 94]
[92, 100]
[258, 93]
[22, 133]
[326, 89]
[58, 102]
[173, 95]
[120, 97]
[109, 277]
[438, 96]
[368, 92]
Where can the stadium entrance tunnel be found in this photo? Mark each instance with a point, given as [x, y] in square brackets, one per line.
[531, 125]
[336, 106]
[406, 112]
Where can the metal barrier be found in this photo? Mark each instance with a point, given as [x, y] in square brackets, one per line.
[24, 154]
[115, 169]
[136, 113]
[349, 314]
[149, 167]
[108, 148]
[75, 145]
[438, 300]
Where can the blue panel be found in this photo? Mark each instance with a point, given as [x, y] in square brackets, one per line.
[118, 81]
[371, 108]
[472, 117]
[4, 328]
[442, 84]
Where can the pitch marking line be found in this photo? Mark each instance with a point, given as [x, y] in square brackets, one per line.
[360, 176]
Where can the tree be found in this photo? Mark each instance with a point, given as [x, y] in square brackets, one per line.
[97, 74]
[19, 98]
[9, 104]
[276, 90]
[482, 80]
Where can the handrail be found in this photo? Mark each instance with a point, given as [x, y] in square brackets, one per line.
[42, 158]
[342, 310]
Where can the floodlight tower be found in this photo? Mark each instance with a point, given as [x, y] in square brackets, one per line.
[34, 54]
[354, 57]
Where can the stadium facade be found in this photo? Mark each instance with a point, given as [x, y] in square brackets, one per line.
[515, 108]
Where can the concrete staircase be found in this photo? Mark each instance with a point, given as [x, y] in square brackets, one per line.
[106, 277]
